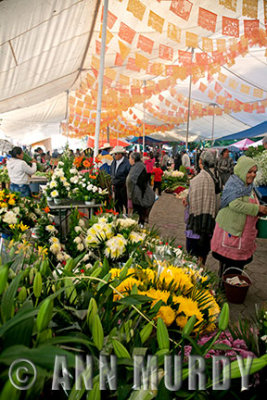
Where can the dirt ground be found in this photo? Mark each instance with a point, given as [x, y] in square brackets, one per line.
[168, 216]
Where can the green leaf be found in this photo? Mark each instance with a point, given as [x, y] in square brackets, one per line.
[95, 393]
[162, 335]
[120, 350]
[189, 326]
[257, 365]
[224, 317]
[7, 303]
[106, 279]
[146, 332]
[97, 332]
[134, 299]
[44, 355]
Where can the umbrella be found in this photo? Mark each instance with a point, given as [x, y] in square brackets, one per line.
[243, 144]
[5, 146]
[113, 142]
[256, 144]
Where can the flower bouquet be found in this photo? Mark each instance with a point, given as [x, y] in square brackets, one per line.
[172, 180]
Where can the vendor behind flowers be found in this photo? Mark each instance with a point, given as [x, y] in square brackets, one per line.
[19, 172]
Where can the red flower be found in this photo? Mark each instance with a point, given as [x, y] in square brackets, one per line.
[179, 247]
[160, 242]
[81, 214]
[63, 262]
[82, 271]
[149, 253]
[99, 212]
[166, 243]
[53, 223]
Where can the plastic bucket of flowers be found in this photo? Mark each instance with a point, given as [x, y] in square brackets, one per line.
[236, 286]
[262, 227]
[88, 201]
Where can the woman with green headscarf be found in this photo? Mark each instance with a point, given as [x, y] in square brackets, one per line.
[233, 241]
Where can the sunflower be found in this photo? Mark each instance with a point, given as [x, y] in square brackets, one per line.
[187, 308]
[167, 314]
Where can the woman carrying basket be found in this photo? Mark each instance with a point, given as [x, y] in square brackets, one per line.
[233, 241]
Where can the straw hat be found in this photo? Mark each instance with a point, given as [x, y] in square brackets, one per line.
[118, 149]
[105, 146]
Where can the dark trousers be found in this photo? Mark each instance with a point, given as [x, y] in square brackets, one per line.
[157, 185]
[120, 198]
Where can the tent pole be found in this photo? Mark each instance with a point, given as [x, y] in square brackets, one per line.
[144, 133]
[189, 103]
[100, 78]
[67, 115]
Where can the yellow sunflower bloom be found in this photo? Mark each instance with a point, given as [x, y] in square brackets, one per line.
[167, 314]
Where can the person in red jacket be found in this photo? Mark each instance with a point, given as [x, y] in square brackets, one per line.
[149, 163]
[157, 172]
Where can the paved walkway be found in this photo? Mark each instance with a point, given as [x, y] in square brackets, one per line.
[168, 216]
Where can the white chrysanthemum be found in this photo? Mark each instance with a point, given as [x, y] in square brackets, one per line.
[10, 218]
[126, 222]
[50, 228]
[62, 178]
[60, 257]
[16, 210]
[73, 171]
[177, 174]
[58, 172]
[53, 239]
[55, 248]
[53, 184]
[135, 237]
[74, 179]
[54, 193]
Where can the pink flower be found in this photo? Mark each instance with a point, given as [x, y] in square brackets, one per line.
[240, 343]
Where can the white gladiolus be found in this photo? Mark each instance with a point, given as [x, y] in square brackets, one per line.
[77, 240]
[77, 229]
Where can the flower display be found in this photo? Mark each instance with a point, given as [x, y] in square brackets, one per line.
[261, 161]
[182, 291]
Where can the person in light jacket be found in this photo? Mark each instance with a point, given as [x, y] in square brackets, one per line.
[19, 172]
[233, 241]
[185, 159]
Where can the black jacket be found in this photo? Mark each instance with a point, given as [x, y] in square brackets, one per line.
[120, 176]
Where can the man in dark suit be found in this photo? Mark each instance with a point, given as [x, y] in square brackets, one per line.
[119, 170]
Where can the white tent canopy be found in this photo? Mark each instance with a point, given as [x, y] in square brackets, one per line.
[46, 49]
